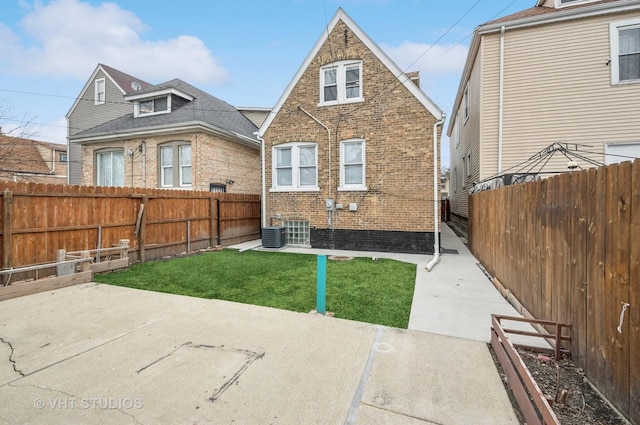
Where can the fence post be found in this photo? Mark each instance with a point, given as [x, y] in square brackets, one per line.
[7, 233]
[142, 235]
[85, 266]
[212, 221]
[124, 248]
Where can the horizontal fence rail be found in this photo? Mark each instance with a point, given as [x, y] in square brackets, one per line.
[568, 249]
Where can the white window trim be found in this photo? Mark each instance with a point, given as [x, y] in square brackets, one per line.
[175, 165]
[353, 187]
[559, 3]
[136, 107]
[465, 104]
[100, 153]
[468, 170]
[96, 97]
[614, 28]
[341, 83]
[295, 168]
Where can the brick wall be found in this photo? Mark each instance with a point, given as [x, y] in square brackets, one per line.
[213, 160]
[398, 133]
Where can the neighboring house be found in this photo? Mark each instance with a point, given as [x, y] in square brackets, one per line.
[349, 150]
[126, 132]
[26, 160]
[445, 179]
[563, 75]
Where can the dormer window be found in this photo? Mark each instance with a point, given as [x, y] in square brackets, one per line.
[341, 82]
[158, 105]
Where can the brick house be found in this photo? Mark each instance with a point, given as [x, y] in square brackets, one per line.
[124, 131]
[350, 150]
[26, 160]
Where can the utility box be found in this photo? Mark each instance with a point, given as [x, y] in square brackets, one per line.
[273, 237]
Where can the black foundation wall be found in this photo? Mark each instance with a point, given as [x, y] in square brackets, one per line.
[373, 240]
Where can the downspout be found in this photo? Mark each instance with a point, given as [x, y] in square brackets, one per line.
[501, 100]
[53, 161]
[264, 181]
[329, 135]
[436, 197]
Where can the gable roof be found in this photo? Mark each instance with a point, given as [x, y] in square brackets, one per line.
[341, 15]
[538, 15]
[121, 80]
[20, 155]
[204, 110]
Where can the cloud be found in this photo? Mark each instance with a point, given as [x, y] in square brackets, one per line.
[68, 38]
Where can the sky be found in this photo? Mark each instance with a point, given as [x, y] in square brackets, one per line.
[244, 52]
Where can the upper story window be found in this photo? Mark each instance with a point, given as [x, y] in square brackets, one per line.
[158, 105]
[63, 157]
[341, 82]
[625, 51]
[175, 164]
[100, 93]
[109, 167]
[295, 167]
[352, 165]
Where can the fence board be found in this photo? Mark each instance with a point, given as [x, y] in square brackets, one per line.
[577, 273]
[568, 248]
[617, 283]
[634, 299]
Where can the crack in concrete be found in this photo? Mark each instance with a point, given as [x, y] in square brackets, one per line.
[251, 357]
[13, 362]
[395, 412]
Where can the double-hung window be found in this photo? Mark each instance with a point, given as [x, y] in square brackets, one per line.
[175, 164]
[625, 51]
[295, 167]
[109, 167]
[341, 82]
[352, 165]
[100, 92]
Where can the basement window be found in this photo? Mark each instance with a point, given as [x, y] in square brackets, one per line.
[298, 232]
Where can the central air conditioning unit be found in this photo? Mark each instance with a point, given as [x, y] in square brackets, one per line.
[273, 237]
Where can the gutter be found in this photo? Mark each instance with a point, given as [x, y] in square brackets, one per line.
[436, 190]
[147, 131]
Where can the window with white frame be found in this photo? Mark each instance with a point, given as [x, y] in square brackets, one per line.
[625, 51]
[158, 105]
[109, 167]
[464, 171]
[341, 82]
[465, 103]
[352, 165]
[295, 167]
[100, 92]
[454, 180]
[468, 168]
[175, 164]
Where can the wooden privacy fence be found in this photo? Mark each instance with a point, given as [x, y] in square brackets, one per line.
[39, 219]
[568, 248]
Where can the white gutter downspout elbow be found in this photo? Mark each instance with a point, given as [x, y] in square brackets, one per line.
[264, 181]
[501, 100]
[436, 198]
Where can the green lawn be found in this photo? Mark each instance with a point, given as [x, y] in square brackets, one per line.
[360, 289]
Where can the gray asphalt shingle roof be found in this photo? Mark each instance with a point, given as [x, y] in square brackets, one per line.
[204, 108]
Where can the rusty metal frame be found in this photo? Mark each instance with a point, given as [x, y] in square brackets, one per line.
[534, 406]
